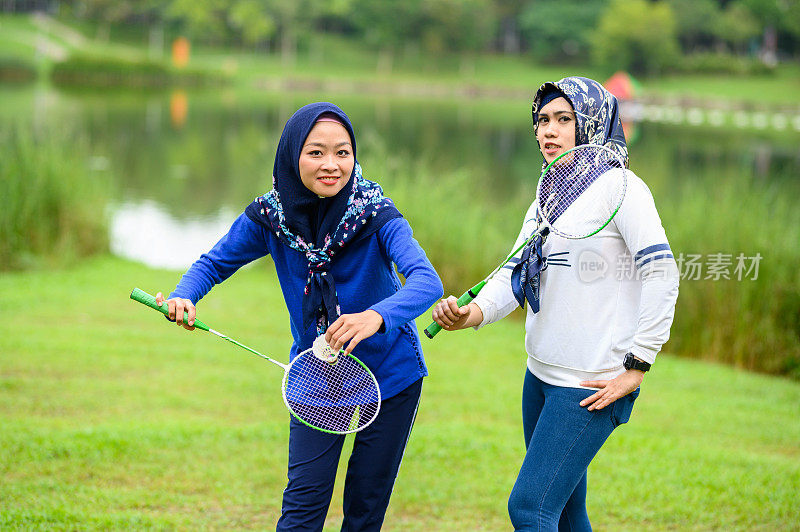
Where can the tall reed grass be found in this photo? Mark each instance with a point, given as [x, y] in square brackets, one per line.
[54, 204]
[752, 322]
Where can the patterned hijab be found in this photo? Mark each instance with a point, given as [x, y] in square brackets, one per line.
[319, 228]
[596, 112]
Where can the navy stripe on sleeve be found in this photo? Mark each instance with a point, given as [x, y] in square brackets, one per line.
[652, 249]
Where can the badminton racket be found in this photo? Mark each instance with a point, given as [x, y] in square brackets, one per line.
[336, 394]
[578, 194]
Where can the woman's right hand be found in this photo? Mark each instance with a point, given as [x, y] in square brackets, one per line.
[451, 317]
[178, 307]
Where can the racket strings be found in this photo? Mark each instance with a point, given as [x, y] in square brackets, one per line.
[581, 191]
[337, 397]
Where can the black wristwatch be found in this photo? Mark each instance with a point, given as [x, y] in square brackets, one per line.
[630, 362]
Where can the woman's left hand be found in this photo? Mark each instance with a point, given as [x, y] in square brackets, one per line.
[612, 390]
[352, 328]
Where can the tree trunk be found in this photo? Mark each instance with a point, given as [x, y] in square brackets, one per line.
[769, 47]
[288, 48]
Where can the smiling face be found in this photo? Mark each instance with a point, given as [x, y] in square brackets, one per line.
[326, 160]
[555, 128]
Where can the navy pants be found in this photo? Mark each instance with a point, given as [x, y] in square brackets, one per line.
[562, 438]
[371, 470]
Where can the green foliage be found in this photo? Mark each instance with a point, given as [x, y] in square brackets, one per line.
[458, 25]
[546, 28]
[550, 38]
[108, 11]
[386, 23]
[693, 21]
[708, 25]
[252, 21]
[200, 18]
[463, 247]
[637, 36]
[54, 205]
[783, 14]
[736, 26]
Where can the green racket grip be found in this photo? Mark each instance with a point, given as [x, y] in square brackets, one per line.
[434, 328]
[146, 299]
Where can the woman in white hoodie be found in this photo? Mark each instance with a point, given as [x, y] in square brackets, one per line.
[603, 310]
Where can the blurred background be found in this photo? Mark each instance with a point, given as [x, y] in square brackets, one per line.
[138, 130]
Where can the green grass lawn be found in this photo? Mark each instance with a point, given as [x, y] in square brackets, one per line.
[112, 418]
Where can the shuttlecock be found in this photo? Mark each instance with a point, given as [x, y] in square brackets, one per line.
[323, 351]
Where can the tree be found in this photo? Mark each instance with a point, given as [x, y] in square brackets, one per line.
[457, 25]
[252, 20]
[542, 25]
[106, 11]
[508, 12]
[635, 35]
[387, 25]
[203, 19]
[736, 27]
[695, 20]
[780, 20]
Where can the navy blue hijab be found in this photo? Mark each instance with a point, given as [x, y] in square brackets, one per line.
[320, 228]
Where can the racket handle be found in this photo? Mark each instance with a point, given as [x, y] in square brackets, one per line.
[146, 299]
[434, 328]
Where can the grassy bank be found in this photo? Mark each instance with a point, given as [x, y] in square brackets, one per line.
[114, 419]
[105, 72]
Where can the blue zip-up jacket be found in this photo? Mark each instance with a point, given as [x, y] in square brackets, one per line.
[365, 279]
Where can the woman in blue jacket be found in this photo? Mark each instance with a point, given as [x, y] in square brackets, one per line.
[333, 237]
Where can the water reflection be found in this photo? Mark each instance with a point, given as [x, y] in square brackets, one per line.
[145, 232]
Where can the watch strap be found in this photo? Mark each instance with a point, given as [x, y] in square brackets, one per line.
[632, 363]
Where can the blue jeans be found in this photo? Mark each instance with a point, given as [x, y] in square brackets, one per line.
[561, 438]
